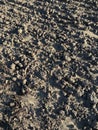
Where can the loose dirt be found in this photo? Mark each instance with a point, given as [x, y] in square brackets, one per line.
[48, 64]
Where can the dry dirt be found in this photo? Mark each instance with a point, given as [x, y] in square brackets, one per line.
[48, 64]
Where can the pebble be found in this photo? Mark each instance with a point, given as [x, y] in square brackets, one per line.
[18, 76]
[68, 58]
[20, 31]
[40, 43]
[14, 78]
[12, 104]
[62, 113]
[13, 66]
[24, 81]
[93, 97]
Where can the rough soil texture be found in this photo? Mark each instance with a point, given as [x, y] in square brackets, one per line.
[48, 64]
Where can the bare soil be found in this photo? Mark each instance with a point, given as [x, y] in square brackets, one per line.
[48, 64]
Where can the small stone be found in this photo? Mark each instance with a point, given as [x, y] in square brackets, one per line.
[40, 43]
[20, 65]
[13, 66]
[14, 78]
[17, 62]
[20, 31]
[24, 81]
[12, 104]
[6, 81]
[62, 113]
[93, 97]
[68, 58]
[18, 76]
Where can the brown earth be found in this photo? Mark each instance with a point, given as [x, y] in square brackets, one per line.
[49, 65]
